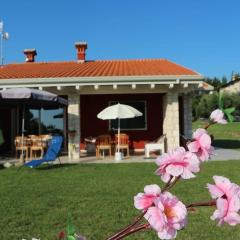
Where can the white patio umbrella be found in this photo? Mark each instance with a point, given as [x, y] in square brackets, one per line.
[119, 111]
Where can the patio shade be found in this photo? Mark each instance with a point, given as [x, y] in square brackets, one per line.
[119, 111]
[33, 98]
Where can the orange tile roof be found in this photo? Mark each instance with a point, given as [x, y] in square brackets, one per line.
[148, 67]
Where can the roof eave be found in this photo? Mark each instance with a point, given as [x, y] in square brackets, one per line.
[104, 79]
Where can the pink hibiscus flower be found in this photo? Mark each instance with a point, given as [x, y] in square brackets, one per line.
[201, 145]
[218, 116]
[143, 201]
[167, 216]
[177, 163]
[228, 201]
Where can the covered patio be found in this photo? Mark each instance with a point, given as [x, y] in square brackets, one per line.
[164, 112]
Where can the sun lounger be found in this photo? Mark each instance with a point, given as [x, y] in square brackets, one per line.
[52, 153]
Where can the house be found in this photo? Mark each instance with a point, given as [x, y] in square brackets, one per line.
[233, 86]
[159, 88]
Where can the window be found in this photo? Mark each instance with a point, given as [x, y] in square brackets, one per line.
[44, 121]
[137, 123]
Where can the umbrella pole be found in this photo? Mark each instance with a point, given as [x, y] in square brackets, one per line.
[23, 123]
[118, 134]
[39, 121]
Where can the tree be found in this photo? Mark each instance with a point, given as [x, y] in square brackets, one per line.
[217, 82]
[206, 103]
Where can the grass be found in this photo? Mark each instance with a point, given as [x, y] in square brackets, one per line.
[225, 135]
[35, 203]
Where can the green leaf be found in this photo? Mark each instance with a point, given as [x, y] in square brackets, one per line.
[220, 101]
[228, 112]
[71, 238]
[230, 118]
[70, 227]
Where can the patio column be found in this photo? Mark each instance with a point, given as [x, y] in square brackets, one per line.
[171, 119]
[74, 124]
[187, 108]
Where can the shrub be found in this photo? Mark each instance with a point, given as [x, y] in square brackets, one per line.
[206, 103]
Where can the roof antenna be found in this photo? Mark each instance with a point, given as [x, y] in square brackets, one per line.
[3, 36]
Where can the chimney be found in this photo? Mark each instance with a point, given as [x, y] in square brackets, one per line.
[30, 54]
[81, 51]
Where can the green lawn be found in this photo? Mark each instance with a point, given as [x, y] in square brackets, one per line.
[35, 203]
[225, 135]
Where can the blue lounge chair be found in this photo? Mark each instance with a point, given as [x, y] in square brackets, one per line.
[52, 153]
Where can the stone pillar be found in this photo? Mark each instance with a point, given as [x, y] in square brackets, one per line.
[171, 119]
[187, 108]
[74, 124]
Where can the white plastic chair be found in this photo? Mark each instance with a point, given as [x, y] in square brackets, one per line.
[159, 145]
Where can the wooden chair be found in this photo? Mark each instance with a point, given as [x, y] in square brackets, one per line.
[103, 142]
[36, 147]
[123, 143]
[21, 146]
[46, 138]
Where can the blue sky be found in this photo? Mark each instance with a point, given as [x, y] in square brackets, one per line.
[201, 35]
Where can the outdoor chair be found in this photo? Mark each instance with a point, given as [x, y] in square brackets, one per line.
[103, 142]
[123, 143]
[45, 139]
[158, 145]
[21, 146]
[36, 147]
[52, 153]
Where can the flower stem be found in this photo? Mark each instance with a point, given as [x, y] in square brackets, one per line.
[171, 184]
[209, 124]
[133, 230]
[167, 184]
[127, 228]
[202, 204]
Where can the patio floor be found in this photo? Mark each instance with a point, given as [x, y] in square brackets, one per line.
[90, 159]
[220, 154]
[132, 158]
